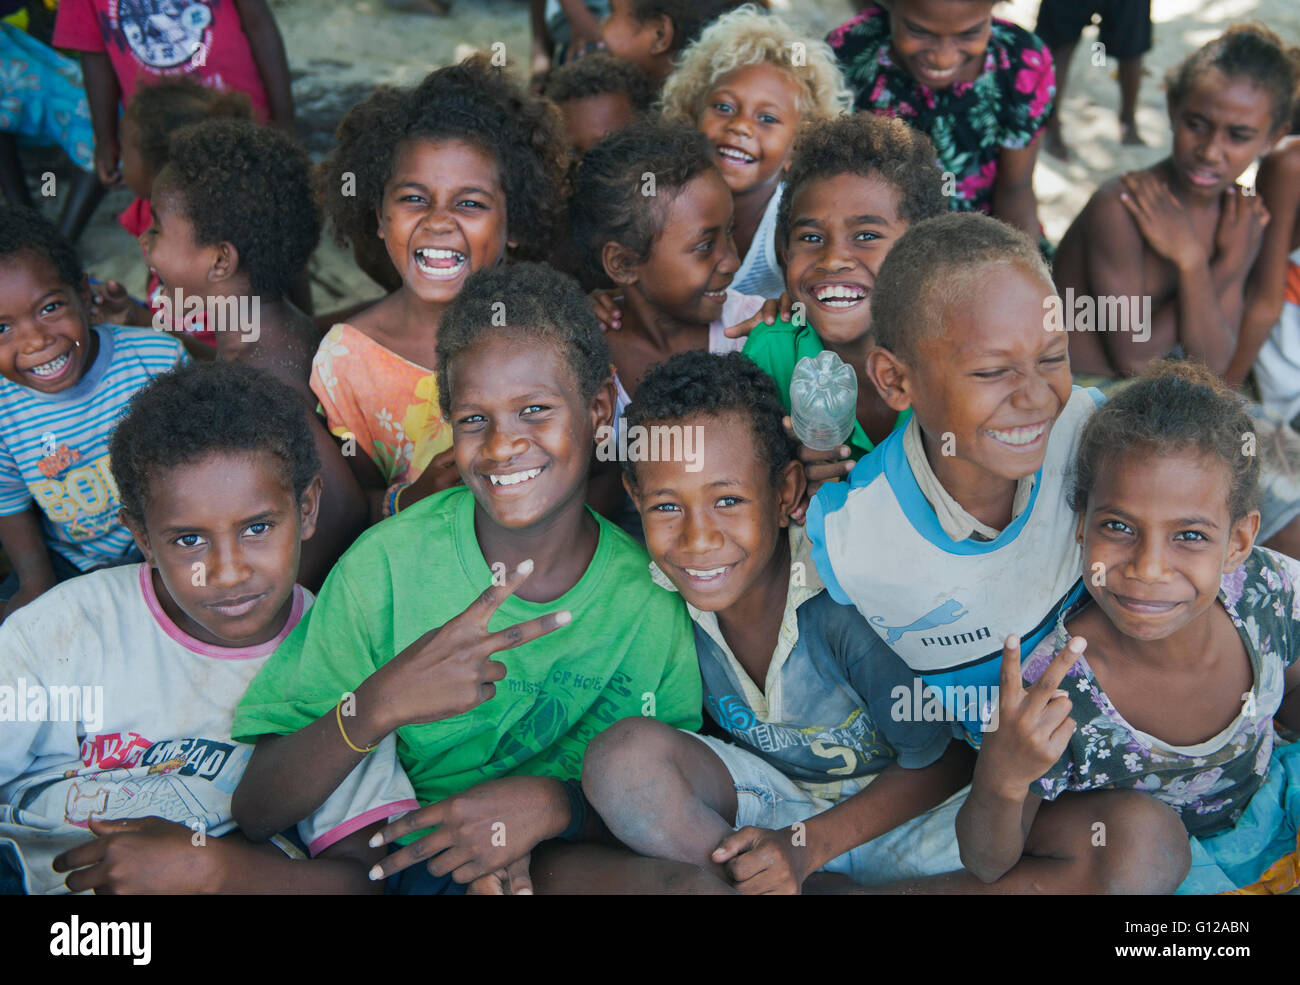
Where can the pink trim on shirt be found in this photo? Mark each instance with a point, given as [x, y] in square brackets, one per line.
[355, 824]
[207, 649]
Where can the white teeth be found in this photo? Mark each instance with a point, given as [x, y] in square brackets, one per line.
[425, 258]
[53, 367]
[840, 295]
[514, 478]
[1019, 436]
[707, 573]
[736, 155]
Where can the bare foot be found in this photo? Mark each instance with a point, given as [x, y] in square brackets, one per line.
[1128, 134]
[1054, 145]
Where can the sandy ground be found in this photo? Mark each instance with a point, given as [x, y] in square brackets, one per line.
[339, 49]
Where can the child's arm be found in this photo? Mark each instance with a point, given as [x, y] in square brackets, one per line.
[268, 54]
[151, 855]
[344, 512]
[760, 860]
[1033, 729]
[103, 93]
[1289, 711]
[23, 542]
[444, 673]
[1278, 184]
[1014, 201]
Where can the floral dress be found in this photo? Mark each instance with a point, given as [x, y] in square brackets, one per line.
[1209, 784]
[388, 404]
[969, 123]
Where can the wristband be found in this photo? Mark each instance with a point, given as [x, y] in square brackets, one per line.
[338, 714]
[577, 810]
[390, 504]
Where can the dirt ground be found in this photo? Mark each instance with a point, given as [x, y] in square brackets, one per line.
[339, 49]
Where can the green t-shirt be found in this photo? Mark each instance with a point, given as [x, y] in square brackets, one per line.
[778, 348]
[630, 650]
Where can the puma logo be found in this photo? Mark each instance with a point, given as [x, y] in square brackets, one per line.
[940, 615]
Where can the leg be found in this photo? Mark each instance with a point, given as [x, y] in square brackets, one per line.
[13, 183]
[1140, 848]
[1053, 142]
[1130, 81]
[660, 791]
[83, 198]
[558, 867]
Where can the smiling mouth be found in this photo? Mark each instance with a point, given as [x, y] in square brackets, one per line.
[514, 478]
[706, 577]
[938, 76]
[1144, 606]
[839, 295]
[1019, 437]
[734, 155]
[442, 264]
[233, 608]
[718, 295]
[53, 368]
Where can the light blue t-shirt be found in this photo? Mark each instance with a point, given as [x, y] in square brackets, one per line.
[54, 446]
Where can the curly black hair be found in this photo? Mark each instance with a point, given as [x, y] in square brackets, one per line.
[530, 303]
[610, 202]
[1243, 51]
[689, 17]
[208, 408]
[25, 231]
[696, 383]
[248, 185]
[932, 266]
[1173, 406]
[472, 101]
[597, 75]
[161, 108]
[872, 147]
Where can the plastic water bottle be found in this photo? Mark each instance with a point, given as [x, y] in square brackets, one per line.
[823, 400]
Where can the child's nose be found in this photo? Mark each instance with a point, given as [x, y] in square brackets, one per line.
[699, 536]
[226, 565]
[502, 444]
[1148, 562]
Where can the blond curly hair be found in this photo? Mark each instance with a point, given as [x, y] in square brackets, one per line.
[748, 36]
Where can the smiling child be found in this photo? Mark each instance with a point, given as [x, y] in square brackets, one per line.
[511, 561]
[65, 386]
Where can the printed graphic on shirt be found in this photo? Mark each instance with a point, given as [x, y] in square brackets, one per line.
[854, 741]
[83, 499]
[941, 615]
[176, 779]
[163, 33]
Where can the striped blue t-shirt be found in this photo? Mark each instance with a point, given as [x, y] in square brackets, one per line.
[54, 446]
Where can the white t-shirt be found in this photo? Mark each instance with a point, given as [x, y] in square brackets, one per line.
[760, 273]
[108, 708]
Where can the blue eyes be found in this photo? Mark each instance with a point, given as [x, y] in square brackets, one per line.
[189, 541]
[1185, 536]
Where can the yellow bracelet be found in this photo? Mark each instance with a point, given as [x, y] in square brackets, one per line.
[338, 714]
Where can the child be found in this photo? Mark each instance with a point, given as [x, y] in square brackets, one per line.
[410, 616]
[225, 45]
[448, 175]
[980, 87]
[154, 113]
[652, 33]
[598, 95]
[1178, 240]
[803, 687]
[234, 222]
[856, 184]
[65, 385]
[142, 757]
[747, 83]
[1191, 646]
[1181, 231]
[1125, 36]
[955, 531]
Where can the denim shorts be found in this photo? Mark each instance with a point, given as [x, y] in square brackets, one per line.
[767, 798]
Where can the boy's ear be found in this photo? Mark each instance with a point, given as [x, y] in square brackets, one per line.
[138, 534]
[309, 507]
[379, 220]
[1241, 538]
[632, 492]
[619, 262]
[603, 403]
[790, 489]
[891, 377]
[1078, 529]
[225, 262]
[664, 34]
